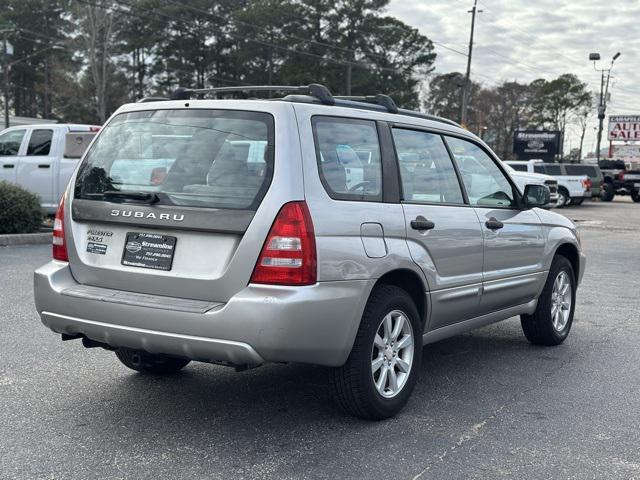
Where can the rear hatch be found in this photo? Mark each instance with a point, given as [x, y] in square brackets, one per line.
[592, 171]
[164, 202]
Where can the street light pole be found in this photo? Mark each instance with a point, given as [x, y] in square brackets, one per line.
[465, 91]
[604, 90]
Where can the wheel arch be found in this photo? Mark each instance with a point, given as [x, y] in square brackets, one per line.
[411, 283]
[570, 252]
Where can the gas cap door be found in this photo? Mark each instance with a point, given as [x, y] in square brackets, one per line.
[372, 236]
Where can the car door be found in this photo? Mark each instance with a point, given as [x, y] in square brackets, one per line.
[443, 233]
[10, 148]
[514, 239]
[35, 171]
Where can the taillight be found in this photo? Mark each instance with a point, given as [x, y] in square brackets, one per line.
[621, 176]
[288, 256]
[59, 244]
[586, 184]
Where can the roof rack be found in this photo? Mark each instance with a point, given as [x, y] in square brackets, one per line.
[311, 93]
[316, 90]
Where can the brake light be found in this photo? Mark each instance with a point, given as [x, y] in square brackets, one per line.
[288, 256]
[59, 244]
[586, 183]
[621, 176]
[94, 129]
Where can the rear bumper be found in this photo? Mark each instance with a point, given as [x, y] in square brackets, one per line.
[314, 324]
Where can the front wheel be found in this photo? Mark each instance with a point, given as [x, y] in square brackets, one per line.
[150, 363]
[551, 322]
[563, 198]
[635, 196]
[376, 381]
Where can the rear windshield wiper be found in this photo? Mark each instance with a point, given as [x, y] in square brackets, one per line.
[119, 196]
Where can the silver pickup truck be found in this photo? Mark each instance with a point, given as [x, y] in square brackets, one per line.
[42, 158]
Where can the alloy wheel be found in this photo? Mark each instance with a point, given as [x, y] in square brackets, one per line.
[561, 297]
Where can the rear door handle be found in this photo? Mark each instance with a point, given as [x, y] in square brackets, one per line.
[493, 224]
[421, 223]
[8, 165]
[44, 165]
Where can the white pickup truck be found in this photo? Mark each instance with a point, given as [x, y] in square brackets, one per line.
[572, 189]
[42, 158]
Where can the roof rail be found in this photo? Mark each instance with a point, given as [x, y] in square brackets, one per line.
[316, 90]
[152, 99]
[383, 100]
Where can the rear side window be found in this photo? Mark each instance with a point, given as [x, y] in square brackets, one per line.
[581, 170]
[196, 158]
[40, 142]
[426, 169]
[10, 142]
[552, 170]
[348, 155]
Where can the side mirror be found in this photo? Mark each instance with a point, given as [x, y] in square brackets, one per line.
[536, 196]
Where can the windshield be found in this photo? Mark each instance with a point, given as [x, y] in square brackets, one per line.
[200, 158]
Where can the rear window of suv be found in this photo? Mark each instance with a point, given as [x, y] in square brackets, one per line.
[195, 158]
[581, 170]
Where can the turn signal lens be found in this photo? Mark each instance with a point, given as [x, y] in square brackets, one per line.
[288, 256]
[59, 244]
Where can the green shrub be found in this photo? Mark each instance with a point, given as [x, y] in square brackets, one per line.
[20, 210]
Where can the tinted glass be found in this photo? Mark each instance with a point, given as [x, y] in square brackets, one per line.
[204, 158]
[426, 169]
[552, 170]
[40, 142]
[485, 183]
[581, 170]
[348, 155]
[10, 142]
[518, 168]
[538, 168]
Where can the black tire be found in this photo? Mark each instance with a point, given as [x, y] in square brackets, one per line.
[354, 382]
[538, 328]
[150, 363]
[563, 198]
[635, 196]
[607, 193]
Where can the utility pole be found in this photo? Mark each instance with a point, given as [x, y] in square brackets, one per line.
[604, 91]
[465, 90]
[5, 71]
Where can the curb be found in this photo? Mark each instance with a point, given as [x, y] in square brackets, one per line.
[25, 239]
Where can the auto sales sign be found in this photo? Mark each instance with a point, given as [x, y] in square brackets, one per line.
[624, 127]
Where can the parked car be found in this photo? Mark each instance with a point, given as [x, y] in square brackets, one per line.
[34, 157]
[592, 171]
[238, 260]
[572, 189]
[619, 180]
[523, 179]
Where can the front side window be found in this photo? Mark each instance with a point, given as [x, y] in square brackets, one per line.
[10, 142]
[40, 142]
[196, 158]
[426, 170]
[485, 183]
[348, 154]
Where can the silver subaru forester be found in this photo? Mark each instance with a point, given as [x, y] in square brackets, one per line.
[335, 231]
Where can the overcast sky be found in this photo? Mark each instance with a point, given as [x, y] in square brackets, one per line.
[528, 39]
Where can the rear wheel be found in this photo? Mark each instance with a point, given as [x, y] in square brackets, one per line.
[607, 193]
[150, 363]
[382, 368]
[635, 196]
[551, 322]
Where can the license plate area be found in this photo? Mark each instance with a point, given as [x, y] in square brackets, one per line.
[149, 250]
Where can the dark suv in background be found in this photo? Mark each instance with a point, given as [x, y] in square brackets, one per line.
[619, 180]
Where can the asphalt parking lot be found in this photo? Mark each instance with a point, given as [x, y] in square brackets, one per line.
[487, 405]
